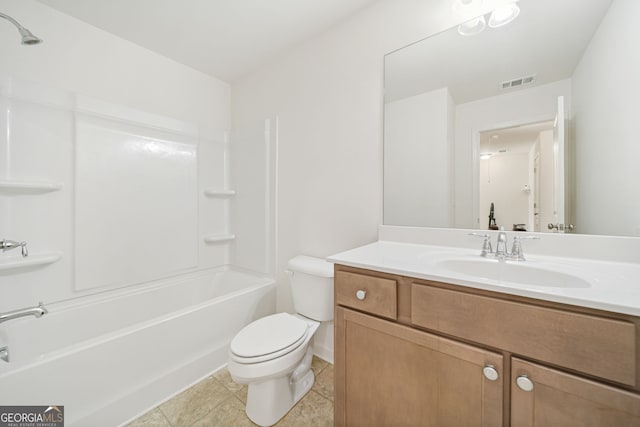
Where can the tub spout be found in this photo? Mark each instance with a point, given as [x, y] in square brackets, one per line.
[4, 354]
[38, 311]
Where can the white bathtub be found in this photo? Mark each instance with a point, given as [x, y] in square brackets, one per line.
[109, 358]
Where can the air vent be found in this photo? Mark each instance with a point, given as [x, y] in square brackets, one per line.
[521, 81]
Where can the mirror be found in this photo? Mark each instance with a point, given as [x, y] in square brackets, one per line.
[536, 117]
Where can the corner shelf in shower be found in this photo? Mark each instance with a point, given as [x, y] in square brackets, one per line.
[219, 238]
[16, 188]
[33, 260]
[220, 194]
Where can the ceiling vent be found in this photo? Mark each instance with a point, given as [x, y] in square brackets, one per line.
[522, 81]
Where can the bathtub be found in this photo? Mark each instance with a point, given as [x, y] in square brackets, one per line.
[108, 358]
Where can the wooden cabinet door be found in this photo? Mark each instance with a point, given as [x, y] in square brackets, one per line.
[387, 374]
[560, 399]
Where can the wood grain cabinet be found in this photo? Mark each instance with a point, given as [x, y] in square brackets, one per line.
[410, 352]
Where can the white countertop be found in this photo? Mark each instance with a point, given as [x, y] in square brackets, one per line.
[604, 285]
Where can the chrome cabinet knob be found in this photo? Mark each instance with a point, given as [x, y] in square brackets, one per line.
[490, 373]
[524, 383]
[361, 294]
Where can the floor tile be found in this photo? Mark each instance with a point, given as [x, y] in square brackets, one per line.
[224, 377]
[313, 410]
[318, 365]
[242, 394]
[230, 413]
[194, 403]
[153, 418]
[324, 383]
[220, 402]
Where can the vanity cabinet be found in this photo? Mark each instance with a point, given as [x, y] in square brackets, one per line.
[411, 352]
[542, 396]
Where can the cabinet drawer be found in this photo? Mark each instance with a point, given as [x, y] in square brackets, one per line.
[374, 295]
[594, 345]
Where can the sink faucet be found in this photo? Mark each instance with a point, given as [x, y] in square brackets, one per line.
[7, 245]
[502, 252]
[501, 244]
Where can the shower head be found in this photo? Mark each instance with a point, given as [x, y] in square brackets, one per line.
[27, 36]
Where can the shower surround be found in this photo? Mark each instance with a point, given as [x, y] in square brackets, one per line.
[127, 217]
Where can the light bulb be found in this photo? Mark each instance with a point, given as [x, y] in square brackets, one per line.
[503, 15]
[472, 27]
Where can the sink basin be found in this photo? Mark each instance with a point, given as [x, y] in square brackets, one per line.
[513, 272]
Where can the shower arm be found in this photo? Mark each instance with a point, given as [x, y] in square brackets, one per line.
[27, 36]
[13, 21]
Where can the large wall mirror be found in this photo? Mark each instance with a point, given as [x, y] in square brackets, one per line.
[532, 125]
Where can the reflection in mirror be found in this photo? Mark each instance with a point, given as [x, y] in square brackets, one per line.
[536, 118]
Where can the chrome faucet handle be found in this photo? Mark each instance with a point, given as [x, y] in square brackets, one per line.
[517, 253]
[486, 244]
[7, 245]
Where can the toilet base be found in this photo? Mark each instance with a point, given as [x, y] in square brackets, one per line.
[269, 401]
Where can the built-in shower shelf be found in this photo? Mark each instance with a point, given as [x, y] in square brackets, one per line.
[219, 238]
[33, 260]
[221, 194]
[14, 188]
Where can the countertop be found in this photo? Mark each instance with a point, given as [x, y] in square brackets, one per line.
[604, 285]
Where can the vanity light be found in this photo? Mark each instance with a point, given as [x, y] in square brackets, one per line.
[485, 156]
[500, 16]
[503, 15]
[473, 27]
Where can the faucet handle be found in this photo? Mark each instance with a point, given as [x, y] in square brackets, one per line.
[486, 244]
[6, 245]
[516, 250]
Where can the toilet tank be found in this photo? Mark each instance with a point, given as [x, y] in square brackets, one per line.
[312, 287]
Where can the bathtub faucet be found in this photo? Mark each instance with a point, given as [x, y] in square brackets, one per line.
[7, 245]
[33, 311]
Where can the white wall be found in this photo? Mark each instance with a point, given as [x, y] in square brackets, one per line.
[328, 94]
[417, 140]
[42, 90]
[606, 102]
[81, 58]
[511, 109]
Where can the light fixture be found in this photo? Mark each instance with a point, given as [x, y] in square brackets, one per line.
[27, 36]
[503, 15]
[500, 16]
[472, 27]
[485, 156]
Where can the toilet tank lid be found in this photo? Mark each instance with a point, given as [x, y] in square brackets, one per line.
[311, 265]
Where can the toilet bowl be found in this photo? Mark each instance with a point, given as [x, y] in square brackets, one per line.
[273, 355]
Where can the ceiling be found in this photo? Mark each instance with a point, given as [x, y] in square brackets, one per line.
[517, 139]
[223, 38]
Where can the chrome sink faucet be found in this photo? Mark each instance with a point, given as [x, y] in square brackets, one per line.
[501, 244]
[502, 252]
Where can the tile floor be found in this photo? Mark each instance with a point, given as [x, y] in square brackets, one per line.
[218, 401]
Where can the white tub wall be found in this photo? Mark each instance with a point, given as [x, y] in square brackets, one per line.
[327, 94]
[77, 58]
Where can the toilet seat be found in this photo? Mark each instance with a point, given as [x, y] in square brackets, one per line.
[268, 338]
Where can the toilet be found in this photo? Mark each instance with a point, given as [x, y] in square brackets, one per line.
[273, 354]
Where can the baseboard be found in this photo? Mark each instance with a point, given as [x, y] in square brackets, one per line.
[323, 353]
